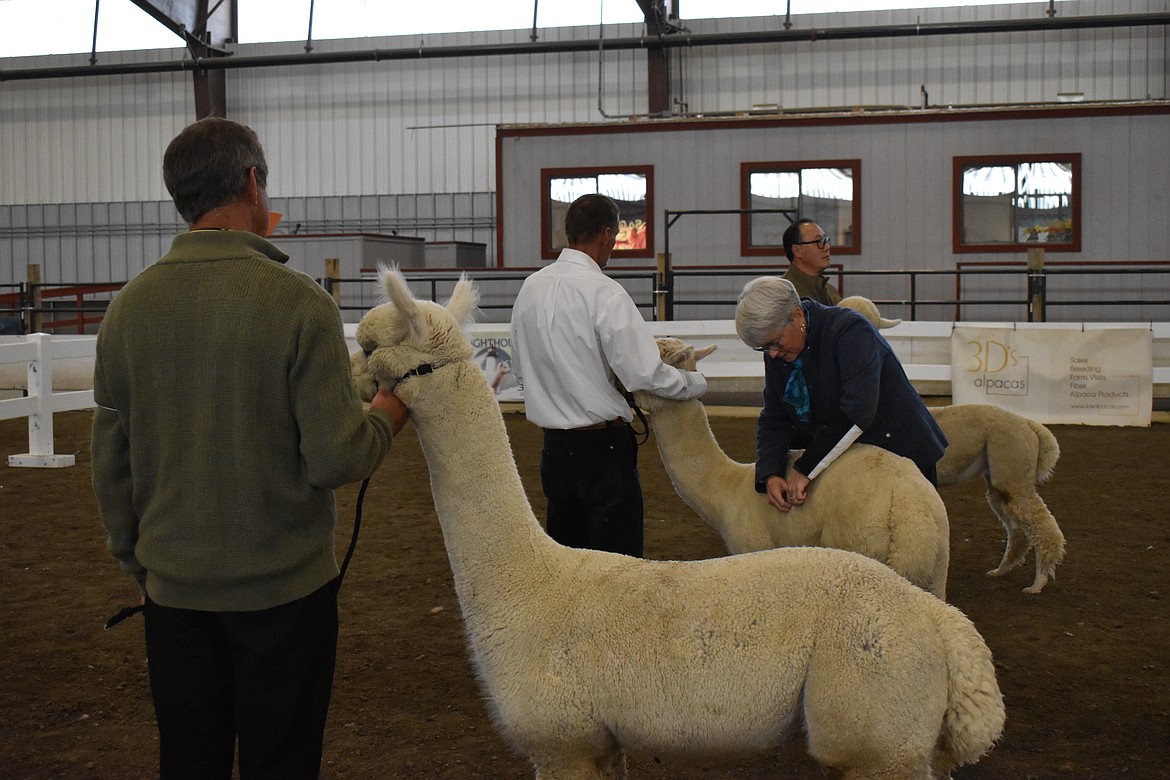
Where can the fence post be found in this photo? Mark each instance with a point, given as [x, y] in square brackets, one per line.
[662, 288]
[1037, 284]
[32, 313]
[333, 278]
[40, 422]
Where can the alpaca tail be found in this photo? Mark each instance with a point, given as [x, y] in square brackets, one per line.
[1049, 451]
[975, 713]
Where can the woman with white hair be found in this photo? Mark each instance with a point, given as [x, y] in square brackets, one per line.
[830, 379]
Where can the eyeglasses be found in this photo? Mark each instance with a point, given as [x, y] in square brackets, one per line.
[822, 242]
[774, 346]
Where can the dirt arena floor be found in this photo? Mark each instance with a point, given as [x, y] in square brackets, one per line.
[1084, 666]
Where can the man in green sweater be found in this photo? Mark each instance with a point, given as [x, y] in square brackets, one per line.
[226, 417]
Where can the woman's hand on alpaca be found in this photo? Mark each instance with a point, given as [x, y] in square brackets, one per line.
[797, 488]
[778, 493]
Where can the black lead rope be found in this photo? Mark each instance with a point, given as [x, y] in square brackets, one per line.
[122, 614]
[357, 525]
[422, 370]
[126, 612]
[642, 436]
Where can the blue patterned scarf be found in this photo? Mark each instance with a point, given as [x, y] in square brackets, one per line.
[796, 391]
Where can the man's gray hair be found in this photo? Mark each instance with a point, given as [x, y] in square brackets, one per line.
[765, 305]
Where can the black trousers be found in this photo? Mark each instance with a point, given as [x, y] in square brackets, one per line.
[590, 478]
[265, 677]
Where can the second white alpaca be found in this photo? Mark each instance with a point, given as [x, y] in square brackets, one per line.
[1013, 454]
[583, 654]
[869, 500]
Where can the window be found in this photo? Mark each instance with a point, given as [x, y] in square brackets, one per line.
[631, 187]
[826, 191]
[1011, 203]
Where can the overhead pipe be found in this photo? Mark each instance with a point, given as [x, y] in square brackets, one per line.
[97, 6]
[585, 45]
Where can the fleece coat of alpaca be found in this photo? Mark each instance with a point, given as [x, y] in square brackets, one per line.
[1013, 454]
[869, 500]
[584, 653]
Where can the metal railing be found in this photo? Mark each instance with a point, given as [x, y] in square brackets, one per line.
[26, 308]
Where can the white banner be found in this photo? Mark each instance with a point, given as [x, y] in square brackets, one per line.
[1094, 376]
[493, 354]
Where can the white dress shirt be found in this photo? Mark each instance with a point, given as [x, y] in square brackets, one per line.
[573, 330]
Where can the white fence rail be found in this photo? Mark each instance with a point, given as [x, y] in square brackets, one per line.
[39, 352]
[923, 347]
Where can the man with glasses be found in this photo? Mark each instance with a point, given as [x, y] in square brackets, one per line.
[807, 248]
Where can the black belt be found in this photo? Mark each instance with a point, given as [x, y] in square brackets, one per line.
[618, 423]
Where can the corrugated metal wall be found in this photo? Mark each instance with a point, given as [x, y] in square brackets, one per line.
[351, 142]
[999, 68]
[906, 197]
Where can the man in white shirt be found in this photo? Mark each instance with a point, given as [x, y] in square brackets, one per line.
[574, 332]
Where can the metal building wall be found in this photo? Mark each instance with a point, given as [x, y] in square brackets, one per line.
[906, 196]
[410, 144]
[998, 68]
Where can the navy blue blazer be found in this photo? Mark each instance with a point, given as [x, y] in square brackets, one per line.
[854, 378]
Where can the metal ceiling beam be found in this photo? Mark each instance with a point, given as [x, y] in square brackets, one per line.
[657, 58]
[206, 27]
[550, 47]
[194, 19]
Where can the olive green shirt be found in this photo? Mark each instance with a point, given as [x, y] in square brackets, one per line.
[815, 287]
[226, 417]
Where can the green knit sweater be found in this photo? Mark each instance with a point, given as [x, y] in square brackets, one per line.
[226, 417]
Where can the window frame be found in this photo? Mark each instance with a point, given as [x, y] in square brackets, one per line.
[746, 169]
[959, 164]
[547, 252]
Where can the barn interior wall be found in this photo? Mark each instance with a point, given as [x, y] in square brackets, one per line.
[906, 186]
[350, 144]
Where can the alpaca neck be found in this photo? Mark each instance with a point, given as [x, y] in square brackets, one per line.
[492, 536]
[698, 467]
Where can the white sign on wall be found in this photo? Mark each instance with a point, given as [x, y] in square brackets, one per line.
[492, 352]
[1094, 376]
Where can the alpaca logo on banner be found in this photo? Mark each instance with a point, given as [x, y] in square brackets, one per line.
[1060, 373]
[997, 368]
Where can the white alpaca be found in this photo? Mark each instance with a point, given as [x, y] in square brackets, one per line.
[583, 653]
[869, 500]
[869, 310]
[1013, 454]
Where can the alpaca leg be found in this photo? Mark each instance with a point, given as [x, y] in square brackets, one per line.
[1044, 536]
[912, 770]
[564, 763]
[1018, 544]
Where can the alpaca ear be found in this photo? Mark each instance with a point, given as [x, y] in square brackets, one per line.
[398, 293]
[704, 352]
[463, 301]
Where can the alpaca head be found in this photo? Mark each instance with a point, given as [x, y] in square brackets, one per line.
[868, 309]
[363, 379]
[404, 333]
[677, 353]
